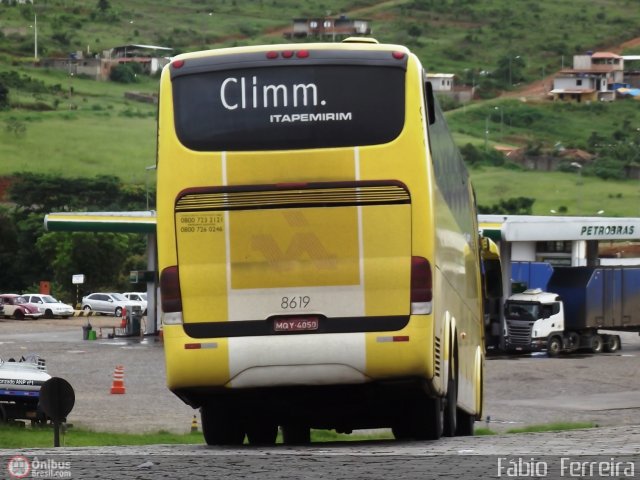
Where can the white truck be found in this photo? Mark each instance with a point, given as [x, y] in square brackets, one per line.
[581, 302]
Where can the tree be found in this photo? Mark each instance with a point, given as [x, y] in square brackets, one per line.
[28, 254]
[100, 256]
[480, 156]
[43, 194]
[124, 73]
[4, 97]
[510, 206]
[103, 5]
[9, 270]
[510, 70]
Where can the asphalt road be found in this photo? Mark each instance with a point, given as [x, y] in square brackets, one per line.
[519, 390]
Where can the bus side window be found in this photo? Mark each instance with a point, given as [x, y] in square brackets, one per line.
[431, 106]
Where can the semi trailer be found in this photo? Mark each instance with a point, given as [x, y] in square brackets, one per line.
[581, 303]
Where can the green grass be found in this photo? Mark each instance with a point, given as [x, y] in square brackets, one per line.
[452, 36]
[515, 122]
[553, 190]
[26, 437]
[95, 130]
[548, 427]
[553, 427]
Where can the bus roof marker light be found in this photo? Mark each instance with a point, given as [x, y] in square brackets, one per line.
[177, 63]
[302, 53]
[271, 54]
[287, 54]
[398, 55]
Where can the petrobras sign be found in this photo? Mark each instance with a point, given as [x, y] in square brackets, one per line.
[608, 231]
[520, 228]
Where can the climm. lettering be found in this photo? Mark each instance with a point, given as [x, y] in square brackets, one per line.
[255, 96]
[591, 231]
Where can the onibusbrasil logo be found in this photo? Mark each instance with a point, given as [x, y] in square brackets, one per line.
[20, 466]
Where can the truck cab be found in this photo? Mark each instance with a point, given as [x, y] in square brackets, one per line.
[531, 318]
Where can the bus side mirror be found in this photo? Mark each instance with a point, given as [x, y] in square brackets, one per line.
[431, 106]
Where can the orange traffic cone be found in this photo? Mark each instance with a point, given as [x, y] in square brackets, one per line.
[117, 387]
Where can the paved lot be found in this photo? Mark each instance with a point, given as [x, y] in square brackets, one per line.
[519, 390]
[554, 455]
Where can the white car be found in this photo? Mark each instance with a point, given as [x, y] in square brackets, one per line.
[109, 303]
[138, 297]
[49, 306]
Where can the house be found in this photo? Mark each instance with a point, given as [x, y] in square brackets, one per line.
[441, 82]
[328, 28]
[594, 76]
[444, 85]
[99, 67]
[151, 57]
[76, 64]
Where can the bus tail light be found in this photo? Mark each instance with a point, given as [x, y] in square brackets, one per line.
[421, 286]
[170, 290]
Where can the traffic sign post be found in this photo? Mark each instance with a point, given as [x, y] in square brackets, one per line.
[77, 280]
[57, 399]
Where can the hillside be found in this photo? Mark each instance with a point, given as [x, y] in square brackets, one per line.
[450, 35]
[77, 127]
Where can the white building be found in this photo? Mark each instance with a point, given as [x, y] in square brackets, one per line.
[441, 82]
[593, 77]
[557, 240]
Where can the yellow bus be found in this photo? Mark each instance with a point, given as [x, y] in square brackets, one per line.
[317, 244]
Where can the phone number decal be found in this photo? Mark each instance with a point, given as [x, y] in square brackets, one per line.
[201, 223]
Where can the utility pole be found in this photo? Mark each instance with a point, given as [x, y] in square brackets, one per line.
[35, 35]
[486, 132]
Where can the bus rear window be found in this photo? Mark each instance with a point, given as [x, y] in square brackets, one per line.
[289, 107]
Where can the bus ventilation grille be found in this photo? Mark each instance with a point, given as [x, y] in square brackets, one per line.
[312, 196]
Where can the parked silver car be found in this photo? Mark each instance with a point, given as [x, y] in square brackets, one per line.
[49, 306]
[109, 303]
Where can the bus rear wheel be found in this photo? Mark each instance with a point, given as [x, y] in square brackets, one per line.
[465, 423]
[424, 420]
[262, 433]
[430, 420]
[220, 428]
[296, 434]
[450, 409]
